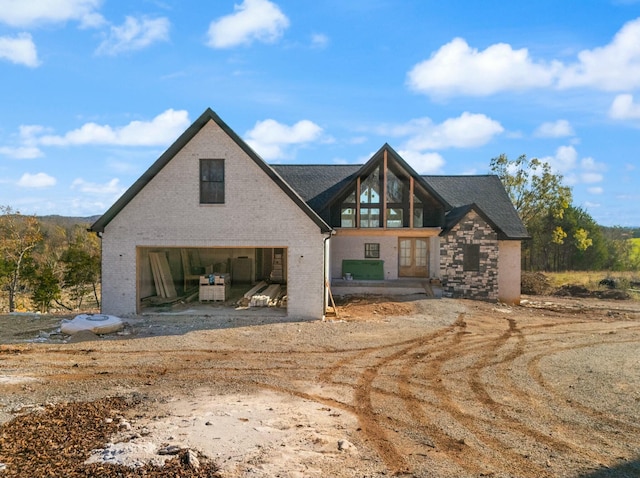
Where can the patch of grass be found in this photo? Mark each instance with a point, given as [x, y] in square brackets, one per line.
[591, 279]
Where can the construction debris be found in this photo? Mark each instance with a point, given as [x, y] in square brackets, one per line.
[268, 297]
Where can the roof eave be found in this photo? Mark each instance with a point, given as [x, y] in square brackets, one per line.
[177, 145]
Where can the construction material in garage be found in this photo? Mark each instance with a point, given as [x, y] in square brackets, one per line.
[162, 275]
[214, 287]
[266, 298]
[277, 274]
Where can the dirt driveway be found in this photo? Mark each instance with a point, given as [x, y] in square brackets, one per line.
[437, 388]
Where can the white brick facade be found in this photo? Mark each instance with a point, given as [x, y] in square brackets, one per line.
[257, 213]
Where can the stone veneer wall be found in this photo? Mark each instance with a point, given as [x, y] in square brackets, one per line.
[456, 282]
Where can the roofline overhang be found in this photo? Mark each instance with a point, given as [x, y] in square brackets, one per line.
[178, 144]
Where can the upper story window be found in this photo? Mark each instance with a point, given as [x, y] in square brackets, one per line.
[212, 181]
[386, 197]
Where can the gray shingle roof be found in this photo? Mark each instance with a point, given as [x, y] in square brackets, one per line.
[486, 192]
[318, 183]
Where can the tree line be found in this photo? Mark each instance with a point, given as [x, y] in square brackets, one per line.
[47, 262]
[563, 237]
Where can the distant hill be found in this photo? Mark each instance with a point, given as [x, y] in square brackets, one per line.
[68, 220]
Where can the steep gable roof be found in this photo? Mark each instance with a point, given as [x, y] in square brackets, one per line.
[320, 183]
[488, 194]
[184, 138]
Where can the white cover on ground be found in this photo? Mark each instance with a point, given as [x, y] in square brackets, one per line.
[96, 323]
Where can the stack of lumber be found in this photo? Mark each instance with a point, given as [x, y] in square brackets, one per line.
[162, 275]
[268, 297]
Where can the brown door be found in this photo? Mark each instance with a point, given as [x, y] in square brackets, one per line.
[413, 257]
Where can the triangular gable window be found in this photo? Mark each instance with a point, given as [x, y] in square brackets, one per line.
[382, 198]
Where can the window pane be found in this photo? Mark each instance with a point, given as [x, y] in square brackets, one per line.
[395, 188]
[418, 217]
[421, 252]
[348, 217]
[372, 250]
[370, 188]
[212, 181]
[394, 217]
[370, 217]
[405, 252]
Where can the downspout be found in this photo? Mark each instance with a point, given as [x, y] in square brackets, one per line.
[327, 279]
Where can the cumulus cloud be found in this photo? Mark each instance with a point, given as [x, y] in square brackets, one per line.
[28, 13]
[456, 68]
[423, 163]
[565, 159]
[585, 171]
[161, 130]
[38, 180]
[19, 49]
[270, 139]
[260, 20]
[555, 129]
[111, 187]
[595, 190]
[613, 67]
[623, 108]
[466, 131]
[21, 152]
[134, 34]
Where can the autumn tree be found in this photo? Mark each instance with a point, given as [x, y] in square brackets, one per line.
[19, 235]
[82, 266]
[538, 195]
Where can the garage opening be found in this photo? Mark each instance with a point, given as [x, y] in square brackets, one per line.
[172, 277]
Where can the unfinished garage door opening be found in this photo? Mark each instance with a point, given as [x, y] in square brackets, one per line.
[245, 277]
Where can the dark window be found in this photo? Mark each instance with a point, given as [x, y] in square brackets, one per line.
[212, 181]
[471, 259]
[371, 250]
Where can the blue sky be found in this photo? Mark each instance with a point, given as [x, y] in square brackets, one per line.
[93, 91]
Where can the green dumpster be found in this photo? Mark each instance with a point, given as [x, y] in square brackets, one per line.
[363, 269]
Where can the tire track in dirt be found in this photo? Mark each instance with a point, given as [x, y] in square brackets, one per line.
[467, 454]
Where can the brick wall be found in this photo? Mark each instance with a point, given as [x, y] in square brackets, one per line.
[256, 213]
[457, 282]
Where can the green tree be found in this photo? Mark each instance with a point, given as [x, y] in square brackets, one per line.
[82, 266]
[19, 235]
[541, 199]
[46, 288]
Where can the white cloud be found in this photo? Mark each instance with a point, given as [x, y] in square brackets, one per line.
[466, 131]
[111, 187]
[613, 67]
[423, 163]
[27, 13]
[595, 190]
[623, 107]
[135, 34]
[161, 130]
[38, 180]
[19, 49]
[565, 159]
[270, 138]
[319, 40]
[590, 164]
[259, 20]
[555, 129]
[456, 68]
[21, 152]
[590, 177]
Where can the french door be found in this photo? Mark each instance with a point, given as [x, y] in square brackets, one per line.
[413, 260]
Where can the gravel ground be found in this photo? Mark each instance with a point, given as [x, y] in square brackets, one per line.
[440, 388]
